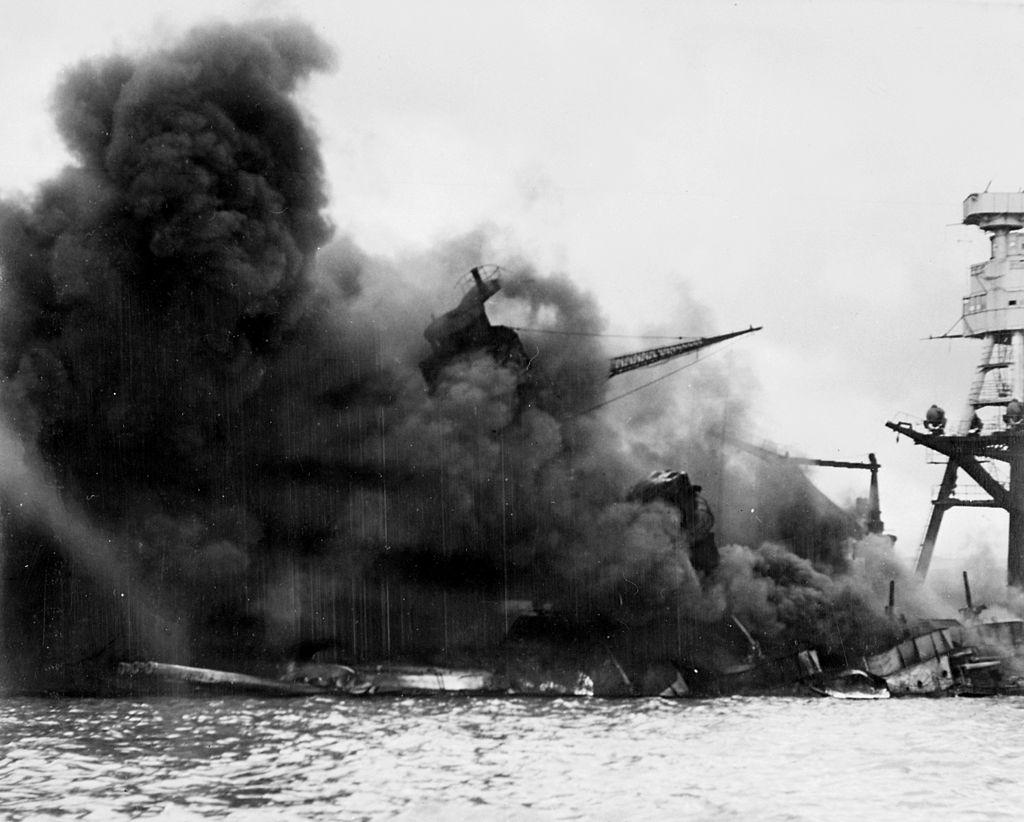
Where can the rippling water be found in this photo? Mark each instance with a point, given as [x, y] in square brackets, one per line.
[515, 759]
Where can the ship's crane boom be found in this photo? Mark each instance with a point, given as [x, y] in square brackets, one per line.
[467, 328]
[874, 522]
[652, 356]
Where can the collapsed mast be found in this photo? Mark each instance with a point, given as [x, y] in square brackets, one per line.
[992, 428]
[466, 329]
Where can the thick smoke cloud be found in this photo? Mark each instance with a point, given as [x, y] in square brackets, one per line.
[148, 288]
[237, 400]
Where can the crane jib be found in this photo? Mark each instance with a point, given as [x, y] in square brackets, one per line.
[651, 356]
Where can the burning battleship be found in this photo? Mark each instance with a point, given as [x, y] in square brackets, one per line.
[232, 460]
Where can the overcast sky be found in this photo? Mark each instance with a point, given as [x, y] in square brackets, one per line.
[797, 165]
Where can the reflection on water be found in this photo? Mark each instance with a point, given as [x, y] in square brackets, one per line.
[511, 759]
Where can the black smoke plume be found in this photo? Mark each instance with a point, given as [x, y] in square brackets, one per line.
[147, 289]
[237, 404]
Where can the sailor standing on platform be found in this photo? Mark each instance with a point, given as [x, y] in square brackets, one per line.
[976, 426]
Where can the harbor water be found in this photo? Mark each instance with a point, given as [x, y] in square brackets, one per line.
[512, 759]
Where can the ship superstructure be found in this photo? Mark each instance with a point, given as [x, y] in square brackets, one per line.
[991, 431]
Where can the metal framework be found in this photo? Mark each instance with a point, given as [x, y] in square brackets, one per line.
[652, 356]
[965, 453]
[991, 429]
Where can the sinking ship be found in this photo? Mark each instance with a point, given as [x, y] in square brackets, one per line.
[222, 467]
[225, 466]
[544, 651]
[471, 621]
[513, 639]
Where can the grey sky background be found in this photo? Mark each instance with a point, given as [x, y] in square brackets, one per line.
[797, 165]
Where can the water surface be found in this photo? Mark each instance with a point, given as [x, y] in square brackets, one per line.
[512, 759]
